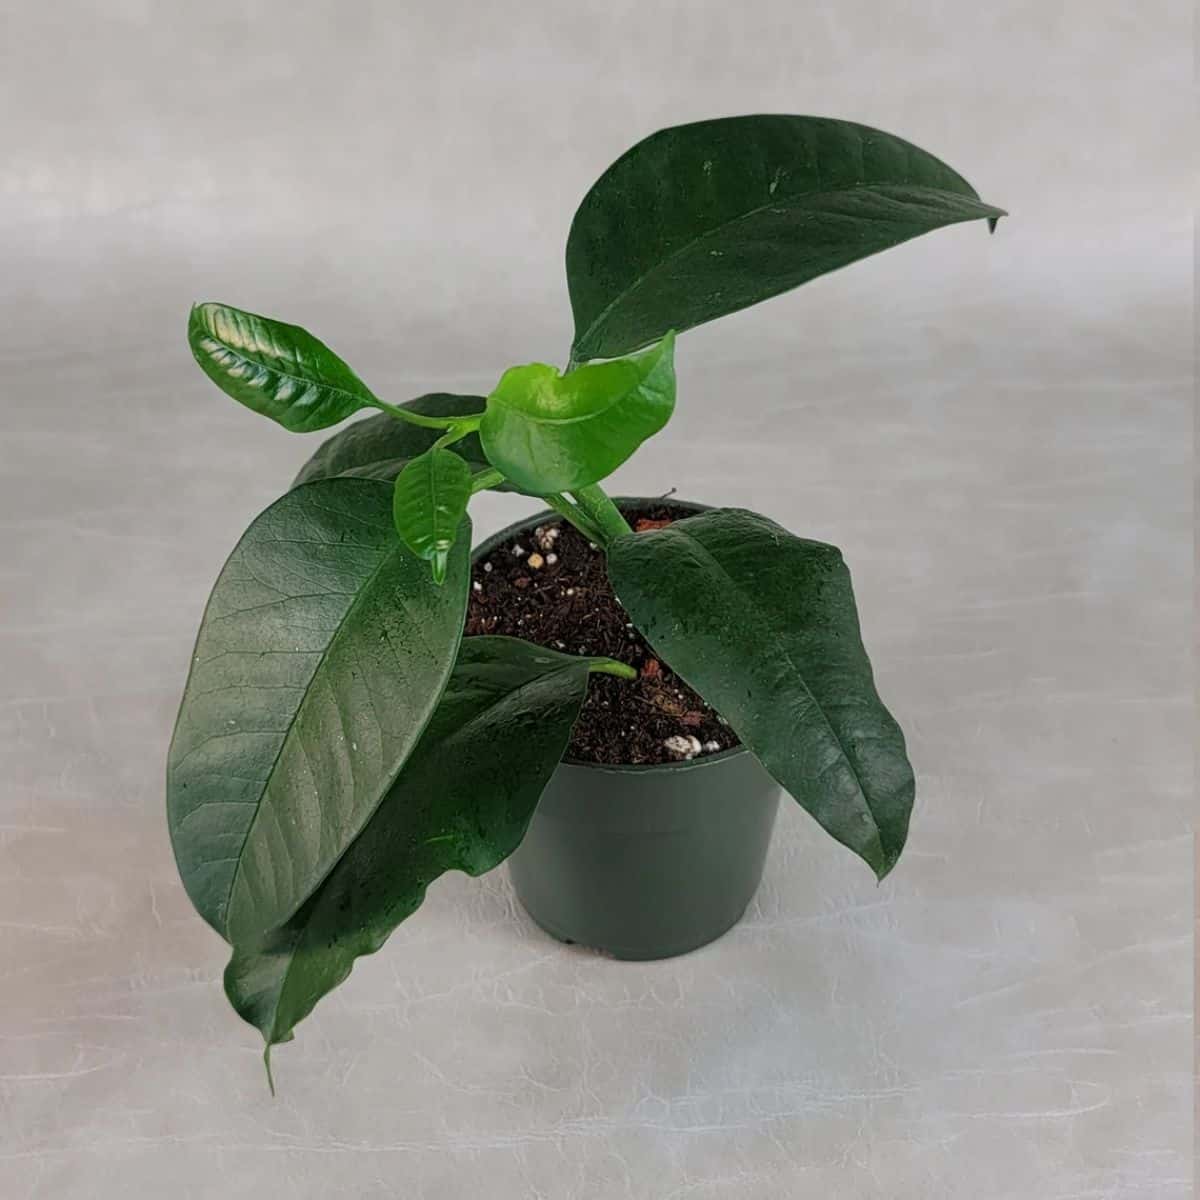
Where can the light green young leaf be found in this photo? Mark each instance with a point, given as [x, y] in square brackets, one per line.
[549, 432]
[429, 501]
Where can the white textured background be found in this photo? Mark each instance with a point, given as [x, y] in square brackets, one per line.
[996, 430]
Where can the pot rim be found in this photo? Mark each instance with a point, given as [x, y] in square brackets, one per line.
[688, 764]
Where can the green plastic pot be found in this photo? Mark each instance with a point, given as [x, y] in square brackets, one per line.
[644, 862]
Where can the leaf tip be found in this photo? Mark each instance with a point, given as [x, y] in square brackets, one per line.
[663, 350]
[884, 869]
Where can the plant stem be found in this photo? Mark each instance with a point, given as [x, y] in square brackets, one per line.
[610, 666]
[455, 432]
[482, 480]
[595, 502]
[468, 423]
[574, 514]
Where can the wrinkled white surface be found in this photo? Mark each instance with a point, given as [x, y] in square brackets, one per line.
[996, 431]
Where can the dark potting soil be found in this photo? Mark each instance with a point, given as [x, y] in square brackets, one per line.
[548, 585]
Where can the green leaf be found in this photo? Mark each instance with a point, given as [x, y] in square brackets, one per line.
[321, 656]
[380, 447]
[702, 220]
[429, 501]
[555, 433]
[763, 625]
[278, 370]
[462, 802]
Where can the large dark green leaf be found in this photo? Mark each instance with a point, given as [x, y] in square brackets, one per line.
[379, 447]
[763, 625]
[323, 651]
[701, 220]
[279, 370]
[429, 502]
[549, 432]
[462, 802]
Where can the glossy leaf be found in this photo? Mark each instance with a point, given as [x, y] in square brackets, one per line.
[763, 625]
[380, 447]
[702, 220]
[323, 651]
[549, 432]
[278, 370]
[502, 725]
[429, 501]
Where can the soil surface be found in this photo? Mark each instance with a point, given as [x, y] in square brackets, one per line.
[548, 585]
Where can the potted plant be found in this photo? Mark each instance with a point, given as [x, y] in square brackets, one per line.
[341, 743]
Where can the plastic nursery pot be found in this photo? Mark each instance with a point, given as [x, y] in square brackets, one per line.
[644, 862]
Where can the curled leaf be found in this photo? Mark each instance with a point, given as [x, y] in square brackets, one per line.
[549, 432]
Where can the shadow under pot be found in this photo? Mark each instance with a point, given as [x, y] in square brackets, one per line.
[643, 862]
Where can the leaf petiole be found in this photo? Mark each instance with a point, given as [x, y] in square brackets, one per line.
[610, 666]
[482, 480]
[466, 424]
[602, 512]
[576, 516]
[458, 429]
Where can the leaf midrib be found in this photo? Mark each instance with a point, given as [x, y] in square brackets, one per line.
[536, 419]
[437, 522]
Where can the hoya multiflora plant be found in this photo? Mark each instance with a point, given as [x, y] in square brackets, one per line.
[340, 745]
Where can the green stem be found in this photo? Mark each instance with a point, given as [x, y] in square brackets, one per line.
[595, 502]
[455, 432]
[575, 515]
[468, 424]
[482, 480]
[610, 666]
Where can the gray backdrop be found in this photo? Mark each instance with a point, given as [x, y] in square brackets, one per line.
[996, 431]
